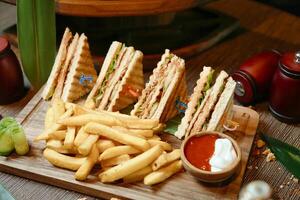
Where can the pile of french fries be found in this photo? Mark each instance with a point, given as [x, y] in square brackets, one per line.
[127, 148]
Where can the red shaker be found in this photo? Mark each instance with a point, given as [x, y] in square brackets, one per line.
[254, 77]
[11, 76]
[285, 89]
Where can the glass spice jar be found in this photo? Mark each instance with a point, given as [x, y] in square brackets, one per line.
[11, 76]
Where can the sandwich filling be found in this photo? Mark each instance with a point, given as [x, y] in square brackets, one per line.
[158, 85]
[115, 79]
[206, 105]
[109, 73]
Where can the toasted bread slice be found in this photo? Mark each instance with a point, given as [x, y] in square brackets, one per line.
[132, 83]
[82, 74]
[151, 91]
[57, 66]
[211, 102]
[65, 69]
[158, 98]
[111, 55]
[199, 92]
[223, 107]
[172, 106]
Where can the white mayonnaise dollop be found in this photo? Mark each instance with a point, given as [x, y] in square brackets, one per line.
[223, 156]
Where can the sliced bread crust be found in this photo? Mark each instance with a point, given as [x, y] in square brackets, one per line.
[58, 63]
[194, 99]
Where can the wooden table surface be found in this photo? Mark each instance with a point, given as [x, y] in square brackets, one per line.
[262, 27]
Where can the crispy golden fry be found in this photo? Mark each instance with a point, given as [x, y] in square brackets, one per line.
[80, 110]
[138, 176]
[117, 135]
[115, 161]
[135, 164]
[155, 137]
[163, 173]
[166, 146]
[57, 145]
[125, 130]
[49, 118]
[88, 165]
[104, 144]
[57, 135]
[117, 151]
[55, 127]
[80, 137]
[86, 146]
[159, 128]
[165, 159]
[58, 108]
[63, 161]
[136, 132]
[70, 136]
[109, 120]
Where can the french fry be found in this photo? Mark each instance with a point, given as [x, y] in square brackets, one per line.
[117, 135]
[165, 159]
[135, 164]
[137, 132]
[57, 135]
[80, 137]
[117, 151]
[137, 176]
[63, 161]
[104, 144]
[87, 166]
[58, 108]
[109, 120]
[155, 137]
[115, 161]
[166, 146]
[54, 127]
[49, 118]
[159, 128]
[163, 173]
[70, 136]
[57, 145]
[80, 110]
[86, 146]
[127, 131]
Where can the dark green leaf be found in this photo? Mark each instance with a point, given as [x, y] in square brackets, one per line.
[172, 124]
[288, 155]
[36, 35]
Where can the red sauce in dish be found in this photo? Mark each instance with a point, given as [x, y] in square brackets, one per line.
[199, 150]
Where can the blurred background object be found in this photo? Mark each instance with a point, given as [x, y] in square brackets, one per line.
[11, 77]
[292, 6]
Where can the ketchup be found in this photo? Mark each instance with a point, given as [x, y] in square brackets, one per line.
[199, 150]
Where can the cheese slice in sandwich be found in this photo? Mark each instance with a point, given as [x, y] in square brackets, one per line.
[73, 74]
[209, 105]
[120, 80]
[165, 86]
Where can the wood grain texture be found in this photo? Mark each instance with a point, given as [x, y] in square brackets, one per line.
[35, 167]
[107, 8]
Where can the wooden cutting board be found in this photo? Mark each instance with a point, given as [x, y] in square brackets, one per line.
[180, 186]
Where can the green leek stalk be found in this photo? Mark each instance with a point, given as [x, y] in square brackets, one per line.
[288, 155]
[37, 38]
